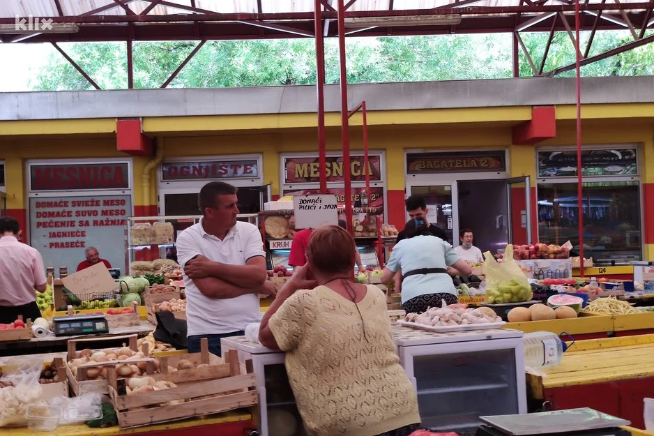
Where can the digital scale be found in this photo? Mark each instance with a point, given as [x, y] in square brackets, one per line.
[578, 422]
[74, 325]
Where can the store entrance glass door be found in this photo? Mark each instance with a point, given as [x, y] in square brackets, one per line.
[442, 207]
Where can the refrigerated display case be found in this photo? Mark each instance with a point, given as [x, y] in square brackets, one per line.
[462, 376]
[274, 389]
[458, 376]
[143, 236]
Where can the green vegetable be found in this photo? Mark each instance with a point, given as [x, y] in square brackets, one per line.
[141, 283]
[109, 418]
[70, 298]
[127, 299]
[155, 279]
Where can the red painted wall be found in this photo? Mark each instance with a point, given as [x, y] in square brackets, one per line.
[395, 207]
[21, 216]
[518, 205]
[648, 210]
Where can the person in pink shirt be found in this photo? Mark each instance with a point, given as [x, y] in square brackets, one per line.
[21, 273]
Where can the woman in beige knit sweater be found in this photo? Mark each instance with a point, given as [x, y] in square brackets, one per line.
[340, 356]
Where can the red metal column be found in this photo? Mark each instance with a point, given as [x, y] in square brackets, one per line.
[579, 166]
[516, 55]
[345, 128]
[320, 87]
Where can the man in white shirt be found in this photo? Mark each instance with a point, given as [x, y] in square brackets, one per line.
[224, 269]
[466, 250]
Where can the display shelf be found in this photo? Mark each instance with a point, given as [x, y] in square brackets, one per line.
[463, 385]
[152, 250]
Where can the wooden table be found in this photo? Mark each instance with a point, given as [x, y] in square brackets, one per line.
[609, 375]
[235, 423]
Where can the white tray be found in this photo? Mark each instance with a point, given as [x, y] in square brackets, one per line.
[451, 328]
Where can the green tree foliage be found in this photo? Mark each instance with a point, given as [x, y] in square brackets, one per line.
[292, 61]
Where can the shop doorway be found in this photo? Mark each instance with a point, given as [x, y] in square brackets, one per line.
[250, 201]
[483, 205]
[483, 208]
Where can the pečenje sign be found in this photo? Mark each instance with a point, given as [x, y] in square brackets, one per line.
[69, 177]
[233, 169]
[426, 163]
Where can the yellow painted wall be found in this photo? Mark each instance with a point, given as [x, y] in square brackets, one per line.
[17, 152]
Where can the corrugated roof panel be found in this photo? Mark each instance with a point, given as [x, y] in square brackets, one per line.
[279, 6]
[25, 8]
[47, 8]
[228, 6]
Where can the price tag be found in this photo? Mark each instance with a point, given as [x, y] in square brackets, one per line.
[601, 270]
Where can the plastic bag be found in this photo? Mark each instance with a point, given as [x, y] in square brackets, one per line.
[505, 282]
[26, 391]
[78, 409]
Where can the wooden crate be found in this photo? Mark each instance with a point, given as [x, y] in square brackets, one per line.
[205, 391]
[150, 299]
[78, 382]
[17, 334]
[124, 319]
[152, 317]
[60, 388]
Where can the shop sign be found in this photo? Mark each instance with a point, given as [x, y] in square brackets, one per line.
[62, 228]
[307, 169]
[375, 197]
[429, 163]
[232, 169]
[71, 177]
[282, 244]
[608, 162]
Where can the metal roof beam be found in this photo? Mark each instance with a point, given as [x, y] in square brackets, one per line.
[183, 64]
[76, 66]
[151, 6]
[104, 8]
[531, 22]
[278, 27]
[606, 54]
[207, 15]
[123, 5]
[58, 6]
[550, 38]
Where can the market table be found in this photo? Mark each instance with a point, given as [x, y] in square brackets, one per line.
[36, 345]
[235, 423]
[610, 375]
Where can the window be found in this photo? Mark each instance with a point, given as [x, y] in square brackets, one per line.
[612, 226]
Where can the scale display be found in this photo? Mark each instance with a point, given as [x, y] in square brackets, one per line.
[80, 325]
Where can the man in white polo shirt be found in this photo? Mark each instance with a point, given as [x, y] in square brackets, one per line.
[224, 269]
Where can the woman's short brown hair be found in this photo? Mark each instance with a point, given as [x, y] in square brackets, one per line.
[331, 249]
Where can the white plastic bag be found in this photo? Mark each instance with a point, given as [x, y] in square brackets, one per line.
[649, 414]
[24, 374]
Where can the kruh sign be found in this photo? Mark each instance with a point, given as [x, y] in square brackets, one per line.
[236, 169]
[454, 162]
[79, 177]
[307, 169]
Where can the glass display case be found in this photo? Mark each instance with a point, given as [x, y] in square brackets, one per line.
[458, 377]
[151, 238]
[611, 217]
[279, 253]
[462, 378]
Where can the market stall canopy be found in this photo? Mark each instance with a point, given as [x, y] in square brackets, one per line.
[148, 20]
